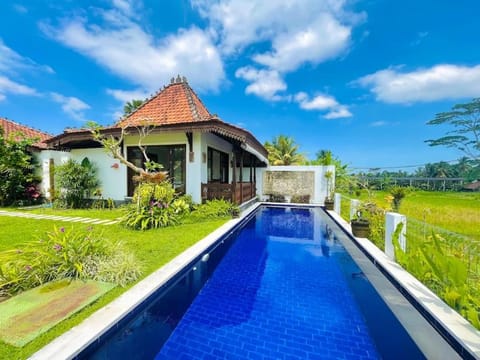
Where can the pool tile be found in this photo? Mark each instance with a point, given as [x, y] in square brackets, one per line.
[272, 299]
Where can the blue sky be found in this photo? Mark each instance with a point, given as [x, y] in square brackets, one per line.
[360, 78]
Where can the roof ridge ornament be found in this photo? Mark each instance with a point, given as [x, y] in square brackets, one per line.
[191, 102]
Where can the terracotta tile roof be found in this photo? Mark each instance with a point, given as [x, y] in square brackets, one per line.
[176, 103]
[475, 185]
[10, 127]
[174, 108]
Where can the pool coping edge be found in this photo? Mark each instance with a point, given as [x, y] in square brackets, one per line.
[71, 343]
[451, 321]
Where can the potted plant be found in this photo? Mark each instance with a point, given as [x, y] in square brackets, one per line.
[360, 224]
[328, 202]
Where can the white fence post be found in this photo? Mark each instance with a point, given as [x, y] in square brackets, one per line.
[337, 203]
[354, 205]
[391, 222]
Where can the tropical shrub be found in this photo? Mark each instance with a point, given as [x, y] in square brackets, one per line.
[65, 253]
[18, 181]
[100, 203]
[375, 216]
[398, 193]
[154, 205]
[76, 182]
[444, 273]
[214, 208]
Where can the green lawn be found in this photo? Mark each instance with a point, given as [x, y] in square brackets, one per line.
[90, 213]
[152, 248]
[455, 211]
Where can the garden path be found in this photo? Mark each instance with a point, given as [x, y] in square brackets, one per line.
[82, 220]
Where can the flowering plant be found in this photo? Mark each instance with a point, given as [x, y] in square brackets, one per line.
[154, 205]
[61, 253]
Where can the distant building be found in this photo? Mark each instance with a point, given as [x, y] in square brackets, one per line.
[11, 127]
[473, 186]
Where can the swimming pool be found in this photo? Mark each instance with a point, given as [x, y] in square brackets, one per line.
[281, 287]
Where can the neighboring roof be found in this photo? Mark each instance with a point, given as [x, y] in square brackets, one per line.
[176, 103]
[472, 186]
[174, 108]
[11, 127]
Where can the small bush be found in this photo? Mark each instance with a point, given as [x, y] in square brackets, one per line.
[18, 178]
[62, 254]
[154, 206]
[76, 181]
[154, 215]
[398, 193]
[214, 209]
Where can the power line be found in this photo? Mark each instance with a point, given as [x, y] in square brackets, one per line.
[397, 167]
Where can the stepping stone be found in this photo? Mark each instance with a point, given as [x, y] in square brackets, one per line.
[86, 221]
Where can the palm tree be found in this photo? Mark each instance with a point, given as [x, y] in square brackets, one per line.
[442, 169]
[463, 166]
[283, 151]
[324, 157]
[131, 106]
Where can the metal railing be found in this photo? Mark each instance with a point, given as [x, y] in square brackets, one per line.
[454, 244]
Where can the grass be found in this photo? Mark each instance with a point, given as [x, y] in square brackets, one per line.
[455, 211]
[152, 248]
[89, 213]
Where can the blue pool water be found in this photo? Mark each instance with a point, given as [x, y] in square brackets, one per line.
[285, 289]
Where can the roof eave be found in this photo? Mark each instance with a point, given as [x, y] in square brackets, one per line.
[213, 125]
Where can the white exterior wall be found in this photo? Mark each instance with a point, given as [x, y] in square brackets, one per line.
[259, 184]
[113, 181]
[196, 170]
[43, 159]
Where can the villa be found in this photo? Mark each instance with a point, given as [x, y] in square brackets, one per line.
[203, 155]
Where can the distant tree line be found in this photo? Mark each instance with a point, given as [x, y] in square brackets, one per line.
[283, 150]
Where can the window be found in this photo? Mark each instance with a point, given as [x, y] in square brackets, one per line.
[217, 166]
[171, 157]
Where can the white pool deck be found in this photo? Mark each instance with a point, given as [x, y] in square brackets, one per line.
[71, 343]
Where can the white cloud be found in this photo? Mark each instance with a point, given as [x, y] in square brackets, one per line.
[124, 96]
[125, 48]
[128, 95]
[20, 9]
[440, 82]
[322, 40]
[420, 37]
[378, 123]
[71, 105]
[293, 33]
[11, 61]
[12, 65]
[263, 83]
[240, 23]
[319, 102]
[339, 112]
[8, 86]
[127, 7]
[323, 103]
